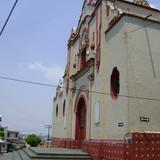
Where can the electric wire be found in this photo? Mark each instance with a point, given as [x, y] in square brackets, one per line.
[84, 90]
[30, 82]
[146, 25]
[25, 129]
[8, 17]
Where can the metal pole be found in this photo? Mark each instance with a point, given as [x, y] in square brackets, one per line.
[48, 137]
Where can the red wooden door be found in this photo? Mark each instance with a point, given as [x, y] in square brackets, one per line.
[81, 121]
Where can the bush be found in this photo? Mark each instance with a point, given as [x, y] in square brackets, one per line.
[33, 140]
[2, 134]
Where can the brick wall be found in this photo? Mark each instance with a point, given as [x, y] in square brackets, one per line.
[145, 146]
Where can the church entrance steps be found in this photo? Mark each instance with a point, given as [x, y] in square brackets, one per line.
[53, 154]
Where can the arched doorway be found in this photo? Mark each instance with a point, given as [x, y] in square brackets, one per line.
[81, 121]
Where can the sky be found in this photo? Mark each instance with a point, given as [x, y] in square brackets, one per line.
[33, 47]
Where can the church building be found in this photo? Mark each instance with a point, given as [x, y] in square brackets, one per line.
[108, 103]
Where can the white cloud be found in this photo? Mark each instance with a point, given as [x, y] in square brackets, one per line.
[49, 72]
[154, 3]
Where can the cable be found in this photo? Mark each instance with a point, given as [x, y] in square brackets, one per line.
[25, 129]
[137, 29]
[146, 25]
[8, 17]
[30, 82]
[96, 92]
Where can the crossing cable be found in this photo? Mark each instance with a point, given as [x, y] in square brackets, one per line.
[8, 17]
[96, 92]
[146, 25]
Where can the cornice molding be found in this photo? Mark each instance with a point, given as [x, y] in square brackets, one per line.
[84, 70]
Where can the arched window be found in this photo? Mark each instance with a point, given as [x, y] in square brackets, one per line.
[83, 59]
[64, 108]
[114, 84]
[57, 110]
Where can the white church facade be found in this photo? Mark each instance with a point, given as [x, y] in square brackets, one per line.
[109, 100]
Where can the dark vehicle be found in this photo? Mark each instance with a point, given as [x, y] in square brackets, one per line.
[10, 147]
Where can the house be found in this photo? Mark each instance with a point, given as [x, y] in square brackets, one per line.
[108, 101]
[12, 139]
[12, 136]
[3, 146]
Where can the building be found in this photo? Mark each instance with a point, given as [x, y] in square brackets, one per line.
[12, 140]
[12, 136]
[108, 101]
[3, 144]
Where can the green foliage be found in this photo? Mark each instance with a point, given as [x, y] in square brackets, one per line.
[33, 140]
[1, 129]
[2, 134]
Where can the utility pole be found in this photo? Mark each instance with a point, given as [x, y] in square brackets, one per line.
[0, 120]
[48, 126]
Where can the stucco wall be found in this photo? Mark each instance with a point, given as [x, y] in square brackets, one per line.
[111, 112]
[129, 52]
[144, 75]
[58, 124]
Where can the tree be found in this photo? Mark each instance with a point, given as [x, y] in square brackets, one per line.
[2, 134]
[33, 140]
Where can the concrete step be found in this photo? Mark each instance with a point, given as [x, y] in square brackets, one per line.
[23, 155]
[15, 156]
[58, 151]
[46, 154]
[59, 154]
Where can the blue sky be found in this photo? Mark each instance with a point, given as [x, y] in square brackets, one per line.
[34, 47]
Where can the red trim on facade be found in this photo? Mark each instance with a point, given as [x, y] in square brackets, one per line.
[65, 143]
[93, 14]
[80, 73]
[145, 7]
[81, 113]
[130, 15]
[93, 43]
[80, 96]
[70, 41]
[107, 10]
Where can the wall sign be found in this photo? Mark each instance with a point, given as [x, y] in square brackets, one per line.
[120, 124]
[144, 119]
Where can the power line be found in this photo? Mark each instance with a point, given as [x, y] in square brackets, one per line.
[8, 17]
[96, 92]
[30, 82]
[25, 129]
[139, 28]
[146, 25]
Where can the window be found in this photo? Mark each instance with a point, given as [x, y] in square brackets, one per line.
[57, 110]
[8, 135]
[114, 84]
[83, 58]
[64, 108]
